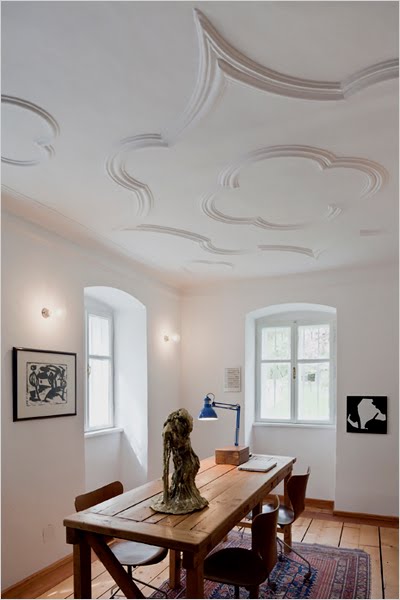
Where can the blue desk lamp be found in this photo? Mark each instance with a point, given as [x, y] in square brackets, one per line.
[208, 413]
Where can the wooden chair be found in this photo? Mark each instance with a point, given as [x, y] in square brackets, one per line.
[130, 554]
[248, 568]
[296, 488]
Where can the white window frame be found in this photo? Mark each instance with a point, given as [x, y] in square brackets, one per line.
[106, 313]
[293, 320]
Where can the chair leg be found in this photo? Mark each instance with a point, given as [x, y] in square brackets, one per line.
[308, 574]
[237, 591]
[253, 591]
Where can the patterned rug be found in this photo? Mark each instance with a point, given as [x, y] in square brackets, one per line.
[336, 573]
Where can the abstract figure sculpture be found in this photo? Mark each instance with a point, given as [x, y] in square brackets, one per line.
[182, 496]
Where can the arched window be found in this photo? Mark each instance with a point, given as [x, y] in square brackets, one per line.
[99, 408]
[295, 358]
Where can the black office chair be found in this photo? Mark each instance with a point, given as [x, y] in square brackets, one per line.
[296, 489]
[130, 554]
[248, 568]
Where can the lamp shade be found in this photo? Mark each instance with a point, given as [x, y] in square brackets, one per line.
[207, 413]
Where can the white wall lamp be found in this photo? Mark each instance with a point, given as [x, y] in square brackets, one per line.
[175, 337]
[46, 313]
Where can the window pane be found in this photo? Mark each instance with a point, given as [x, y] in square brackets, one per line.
[99, 393]
[275, 391]
[275, 343]
[99, 335]
[313, 341]
[313, 388]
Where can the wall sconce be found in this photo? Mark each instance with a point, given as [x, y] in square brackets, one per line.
[48, 312]
[175, 337]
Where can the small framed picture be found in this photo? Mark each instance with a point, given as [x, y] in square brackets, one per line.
[367, 414]
[44, 384]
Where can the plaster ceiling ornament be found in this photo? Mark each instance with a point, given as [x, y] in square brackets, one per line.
[220, 62]
[116, 168]
[206, 244]
[296, 249]
[200, 266]
[376, 175]
[42, 145]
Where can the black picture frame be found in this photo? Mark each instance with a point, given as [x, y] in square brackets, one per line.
[366, 414]
[44, 384]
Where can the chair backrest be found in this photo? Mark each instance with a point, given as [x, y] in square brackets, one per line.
[106, 492]
[296, 488]
[263, 535]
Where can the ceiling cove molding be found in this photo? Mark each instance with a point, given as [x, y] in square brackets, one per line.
[115, 166]
[217, 263]
[209, 209]
[375, 173]
[296, 249]
[43, 144]
[220, 62]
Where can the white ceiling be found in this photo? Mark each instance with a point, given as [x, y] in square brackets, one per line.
[206, 140]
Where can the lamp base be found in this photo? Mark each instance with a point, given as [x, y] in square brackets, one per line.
[232, 455]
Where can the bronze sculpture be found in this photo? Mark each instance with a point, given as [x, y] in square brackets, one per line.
[182, 496]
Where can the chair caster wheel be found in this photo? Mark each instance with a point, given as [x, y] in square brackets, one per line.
[272, 585]
[280, 557]
[307, 577]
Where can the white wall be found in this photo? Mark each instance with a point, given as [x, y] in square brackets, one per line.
[213, 326]
[43, 460]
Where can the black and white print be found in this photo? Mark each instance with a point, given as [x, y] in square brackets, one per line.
[367, 414]
[44, 384]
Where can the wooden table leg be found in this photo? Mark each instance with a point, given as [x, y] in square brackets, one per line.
[82, 569]
[257, 509]
[194, 575]
[287, 532]
[174, 569]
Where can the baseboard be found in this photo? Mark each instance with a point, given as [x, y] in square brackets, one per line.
[38, 583]
[314, 503]
[390, 521]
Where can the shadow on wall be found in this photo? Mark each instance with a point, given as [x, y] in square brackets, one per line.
[130, 388]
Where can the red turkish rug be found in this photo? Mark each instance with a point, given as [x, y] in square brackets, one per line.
[336, 573]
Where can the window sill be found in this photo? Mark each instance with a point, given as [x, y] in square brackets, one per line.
[99, 432]
[300, 425]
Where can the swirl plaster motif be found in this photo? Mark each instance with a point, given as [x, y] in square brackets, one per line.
[220, 62]
[43, 144]
[206, 244]
[116, 168]
[217, 263]
[375, 174]
[297, 249]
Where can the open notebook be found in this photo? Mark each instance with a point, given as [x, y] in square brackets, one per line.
[259, 462]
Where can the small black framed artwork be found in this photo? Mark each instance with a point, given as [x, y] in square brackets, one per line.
[367, 414]
[44, 384]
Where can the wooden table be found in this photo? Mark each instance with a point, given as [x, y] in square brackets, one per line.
[231, 494]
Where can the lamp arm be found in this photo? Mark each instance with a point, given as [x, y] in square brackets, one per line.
[231, 407]
[225, 405]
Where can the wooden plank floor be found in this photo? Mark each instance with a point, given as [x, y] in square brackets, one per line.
[316, 527]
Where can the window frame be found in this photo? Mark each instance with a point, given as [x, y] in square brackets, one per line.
[99, 310]
[294, 320]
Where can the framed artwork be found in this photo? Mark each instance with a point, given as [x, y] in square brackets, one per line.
[367, 414]
[44, 384]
